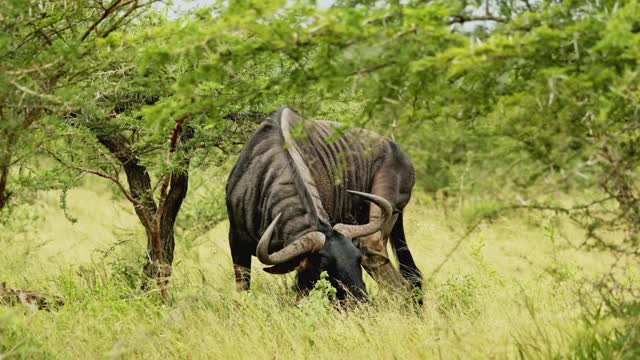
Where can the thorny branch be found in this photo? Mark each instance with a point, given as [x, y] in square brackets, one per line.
[116, 4]
[560, 209]
[99, 173]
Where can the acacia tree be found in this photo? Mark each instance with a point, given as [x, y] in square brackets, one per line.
[146, 116]
[51, 48]
[107, 97]
[44, 48]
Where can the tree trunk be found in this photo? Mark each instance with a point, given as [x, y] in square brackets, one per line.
[140, 187]
[5, 165]
[179, 187]
[4, 195]
[11, 134]
[158, 265]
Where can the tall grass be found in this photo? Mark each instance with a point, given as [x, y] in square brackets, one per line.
[510, 290]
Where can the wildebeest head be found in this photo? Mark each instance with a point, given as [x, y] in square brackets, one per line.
[331, 250]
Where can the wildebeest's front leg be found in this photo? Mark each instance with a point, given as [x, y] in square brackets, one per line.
[241, 261]
[376, 260]
[408, 267]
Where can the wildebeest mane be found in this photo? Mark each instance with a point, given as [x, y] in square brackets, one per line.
[284, 118]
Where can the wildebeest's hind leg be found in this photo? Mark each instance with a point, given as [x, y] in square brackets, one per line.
[408, 267]
[241, 261]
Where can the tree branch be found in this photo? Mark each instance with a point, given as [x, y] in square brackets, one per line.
[461, 19]
[114, 5]
[134, 6]
[28, 298]
[165, 184]
[99, 173]
[137, 176]
[564, 210]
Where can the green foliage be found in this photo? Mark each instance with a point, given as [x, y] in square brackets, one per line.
[619, 341]
[458, 296]
[604, 333]
[205, 207]
[560, 269]
[15, 339]
[489, 271]
[481, 211]
[323, 292]
[46, 49]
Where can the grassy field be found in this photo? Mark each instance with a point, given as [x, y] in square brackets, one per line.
[509, 290]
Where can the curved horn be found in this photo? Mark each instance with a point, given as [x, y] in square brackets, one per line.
[312, 241]
[356, 231]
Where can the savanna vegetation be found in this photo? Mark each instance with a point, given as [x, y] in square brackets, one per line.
[120, 120]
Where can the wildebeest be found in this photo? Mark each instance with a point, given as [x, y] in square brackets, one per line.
[306, 196]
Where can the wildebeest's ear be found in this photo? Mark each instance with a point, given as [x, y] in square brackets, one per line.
[283, 268]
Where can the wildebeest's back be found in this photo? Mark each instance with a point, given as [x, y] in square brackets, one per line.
[349, 161]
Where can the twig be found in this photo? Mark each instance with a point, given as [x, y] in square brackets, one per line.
[99, 173]
[371, 69]
[33, 69]
[453, 250]
[413, 30]
[45, 36]
[34, 93]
